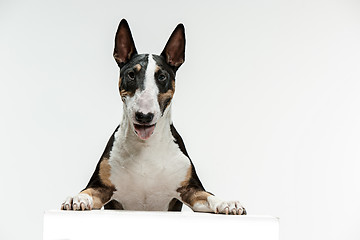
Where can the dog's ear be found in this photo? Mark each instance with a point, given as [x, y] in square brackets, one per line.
[174, 51]
[124, 44]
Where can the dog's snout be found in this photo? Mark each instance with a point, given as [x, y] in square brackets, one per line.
[144, 118]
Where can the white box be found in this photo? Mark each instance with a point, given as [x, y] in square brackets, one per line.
[115, 224]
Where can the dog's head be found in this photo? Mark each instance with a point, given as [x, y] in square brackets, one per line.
[147, 81]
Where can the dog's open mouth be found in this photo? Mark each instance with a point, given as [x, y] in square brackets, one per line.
[144, 131]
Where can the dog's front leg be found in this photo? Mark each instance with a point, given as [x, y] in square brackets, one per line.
[201, 201]
[97, 193]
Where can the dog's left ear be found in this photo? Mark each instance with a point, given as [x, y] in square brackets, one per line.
[174, 51]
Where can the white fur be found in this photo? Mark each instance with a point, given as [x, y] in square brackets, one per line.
[76, 202]
[146, 100]
[146, 174]
[216, 205]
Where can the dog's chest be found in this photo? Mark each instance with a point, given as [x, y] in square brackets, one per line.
[146, 178]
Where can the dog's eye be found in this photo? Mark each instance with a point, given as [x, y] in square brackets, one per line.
[162, 77]
[131, 75]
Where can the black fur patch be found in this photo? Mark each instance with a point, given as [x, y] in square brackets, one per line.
[194, 181]
[127, 83]
[175, 205]
[113, 204]
[168, 71]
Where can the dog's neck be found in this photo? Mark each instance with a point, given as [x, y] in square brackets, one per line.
[162, 133]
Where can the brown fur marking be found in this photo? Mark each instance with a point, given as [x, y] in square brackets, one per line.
[124, 93]
[104, 173]
[120, 82]
[99, 196]
[190, 194]
[102, 195]
[163, 98]
[199, 197]
[137, 67]
[185, 183]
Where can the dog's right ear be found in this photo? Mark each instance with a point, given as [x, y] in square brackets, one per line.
[124, 44]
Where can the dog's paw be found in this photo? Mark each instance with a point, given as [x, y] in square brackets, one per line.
[230, 207]
[81, 201]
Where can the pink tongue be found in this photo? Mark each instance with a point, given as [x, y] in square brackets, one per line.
[144, 132]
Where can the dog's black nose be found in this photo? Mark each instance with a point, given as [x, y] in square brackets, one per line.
[144, 118]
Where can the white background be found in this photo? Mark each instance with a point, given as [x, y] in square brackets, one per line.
[267, 103]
